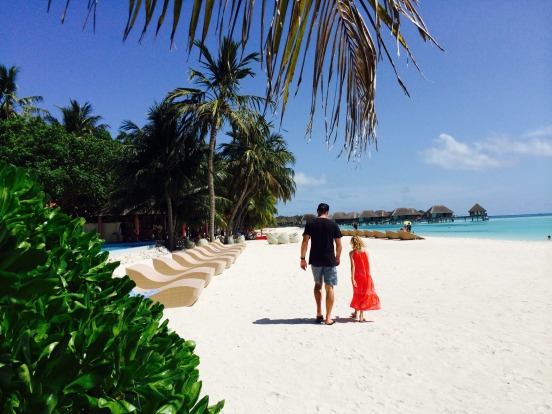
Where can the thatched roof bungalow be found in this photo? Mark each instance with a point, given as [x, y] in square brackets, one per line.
[307, 217]
[345, 218]
[477, 211]
[439, 212]
[405, 214]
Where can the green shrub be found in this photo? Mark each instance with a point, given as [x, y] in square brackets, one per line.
[72, 340]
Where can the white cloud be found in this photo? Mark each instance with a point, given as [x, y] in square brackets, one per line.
[303, 180]
[541, 132]
[490, 153]
[454, 155]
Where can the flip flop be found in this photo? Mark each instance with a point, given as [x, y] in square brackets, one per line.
[329, 324]
[319, 319]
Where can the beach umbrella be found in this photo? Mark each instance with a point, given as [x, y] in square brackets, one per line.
[407, 222]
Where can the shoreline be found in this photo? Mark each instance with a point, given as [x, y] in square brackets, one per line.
[465, 326]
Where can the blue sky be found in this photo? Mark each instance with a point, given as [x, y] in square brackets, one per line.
[476, 129]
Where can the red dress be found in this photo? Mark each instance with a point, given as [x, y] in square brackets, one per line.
[364, 294]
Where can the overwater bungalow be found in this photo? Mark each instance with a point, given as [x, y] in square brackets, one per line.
[478, 213]
[439, 213]
[401, 214]
[343, 219]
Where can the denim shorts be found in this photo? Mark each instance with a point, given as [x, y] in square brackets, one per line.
[328, 272]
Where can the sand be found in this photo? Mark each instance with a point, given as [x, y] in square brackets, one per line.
[465, 327]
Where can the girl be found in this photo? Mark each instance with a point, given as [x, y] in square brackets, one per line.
[364, 294]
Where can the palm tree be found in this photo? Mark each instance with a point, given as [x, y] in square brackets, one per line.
[162, 159]
[218, 101]
[347, 37]
[258, 164]
[9, 101]
[79, 120]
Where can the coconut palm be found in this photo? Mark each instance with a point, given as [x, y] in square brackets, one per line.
[218, 101]
[162, 160]
[79, 119]
[348, 38]
[9, 101]
[258, 163]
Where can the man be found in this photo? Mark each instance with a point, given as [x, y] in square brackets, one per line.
[323, 233]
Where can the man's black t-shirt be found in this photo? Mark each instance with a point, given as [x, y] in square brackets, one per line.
[322, 232]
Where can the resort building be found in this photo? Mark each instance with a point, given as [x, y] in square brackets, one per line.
[478, 213]
[439, 213]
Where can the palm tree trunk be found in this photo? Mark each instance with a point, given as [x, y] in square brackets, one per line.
[246, 191]
[170, 224]
[210, 161]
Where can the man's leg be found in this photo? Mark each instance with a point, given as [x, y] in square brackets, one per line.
[318, 298]
[329, 303]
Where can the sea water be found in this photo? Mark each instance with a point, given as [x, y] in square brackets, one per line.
[521, 227]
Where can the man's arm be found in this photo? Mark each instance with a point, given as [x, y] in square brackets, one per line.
[304, 246]
[338, 249]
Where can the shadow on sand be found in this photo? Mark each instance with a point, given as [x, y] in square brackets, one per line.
[299, 321]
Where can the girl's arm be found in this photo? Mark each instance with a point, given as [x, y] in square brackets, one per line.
[352, 268]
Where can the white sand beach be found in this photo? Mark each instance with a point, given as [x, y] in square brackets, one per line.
[465, 327]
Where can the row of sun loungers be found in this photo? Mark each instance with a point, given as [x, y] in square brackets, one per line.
[393, 235]
[179, 280]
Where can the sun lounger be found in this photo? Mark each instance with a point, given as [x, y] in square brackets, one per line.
[379, 234]
[216, 254]
[146, 277]
[183, 292]
[184, 259]
[345, 233]
[198, 254]
[406, 235]
[368, 233]
[358, 233]
[169, 266]
[208, 253]
[218, 243]
[393, 235]
[217, 251]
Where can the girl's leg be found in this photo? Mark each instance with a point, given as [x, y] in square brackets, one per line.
[361, 317]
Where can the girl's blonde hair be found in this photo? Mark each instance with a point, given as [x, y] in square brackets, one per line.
[357, 243]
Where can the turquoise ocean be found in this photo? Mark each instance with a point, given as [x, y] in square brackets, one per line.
[534, 227]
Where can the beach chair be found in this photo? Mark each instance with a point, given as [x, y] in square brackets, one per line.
[200, 255]
[218, 243]
[345, 233]
[184, 259]
[393, 235]
[368, 233]
[183, 292]
[215, 250]
[211, 252]
[379, 234]
[358, 233]
[146, 277]
[406, 235]
[168, 266]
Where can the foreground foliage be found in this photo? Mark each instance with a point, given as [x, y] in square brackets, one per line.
[72, 340]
